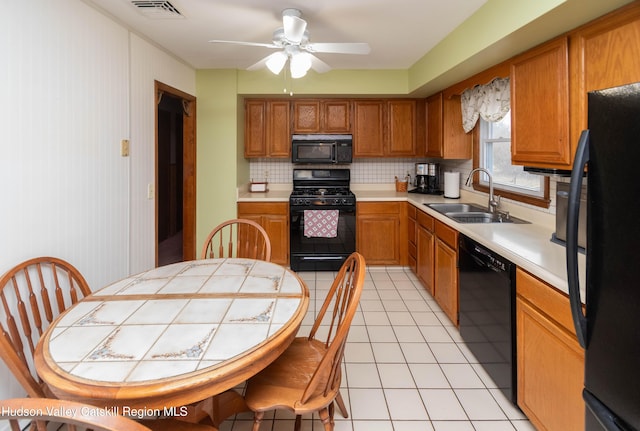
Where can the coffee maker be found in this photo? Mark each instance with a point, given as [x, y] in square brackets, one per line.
[427, 178]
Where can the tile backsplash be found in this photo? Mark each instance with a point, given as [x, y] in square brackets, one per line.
[363, 171]
[377, 171]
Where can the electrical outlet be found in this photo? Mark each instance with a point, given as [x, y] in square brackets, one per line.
[124, 148]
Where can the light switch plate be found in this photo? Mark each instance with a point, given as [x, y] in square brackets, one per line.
[124, 148]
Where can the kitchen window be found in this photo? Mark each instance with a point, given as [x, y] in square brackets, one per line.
[495, 156]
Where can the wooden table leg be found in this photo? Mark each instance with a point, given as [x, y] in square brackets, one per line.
[216, 409]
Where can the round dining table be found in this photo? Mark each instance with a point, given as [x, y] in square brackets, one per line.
[172, 336]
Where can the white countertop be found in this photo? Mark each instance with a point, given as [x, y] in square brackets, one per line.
[527, 245]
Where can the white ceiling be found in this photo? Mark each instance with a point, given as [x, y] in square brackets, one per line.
[399, 32]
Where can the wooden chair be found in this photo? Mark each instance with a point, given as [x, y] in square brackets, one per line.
[237, 238]
[32, 294]
[306, 377]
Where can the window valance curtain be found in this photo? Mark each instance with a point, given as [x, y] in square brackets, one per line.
[490, 101]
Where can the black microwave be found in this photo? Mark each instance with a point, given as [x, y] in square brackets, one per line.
[321, 149]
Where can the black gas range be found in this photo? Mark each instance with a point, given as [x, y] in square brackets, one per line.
[322, 219]
[321, 187]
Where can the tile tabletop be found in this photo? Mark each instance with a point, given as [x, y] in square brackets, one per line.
[174, 320]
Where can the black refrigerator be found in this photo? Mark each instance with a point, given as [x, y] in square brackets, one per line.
[609, 330]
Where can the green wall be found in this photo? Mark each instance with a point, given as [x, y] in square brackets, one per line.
[217, 147]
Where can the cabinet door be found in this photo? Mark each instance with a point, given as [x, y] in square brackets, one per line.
[306, 116]
[278, 125]
[446, 279]
[336, 116]
[456, 143]
[277, 227]
[255, 124]
[425, 258]
[604, 54]
[550, 372]
[550, 360]
[401, 128]
[434, 126]
[540, 107]
[274, 218]
[412, 236]
[379, 232]
[368, 130]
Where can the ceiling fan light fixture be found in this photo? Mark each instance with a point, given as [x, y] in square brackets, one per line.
[300, 64]
[276, 62]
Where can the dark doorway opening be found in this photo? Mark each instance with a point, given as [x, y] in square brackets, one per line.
[175, 175]
[169, 192]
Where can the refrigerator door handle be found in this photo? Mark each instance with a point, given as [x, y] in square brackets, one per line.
[606, 418]
[573, 210]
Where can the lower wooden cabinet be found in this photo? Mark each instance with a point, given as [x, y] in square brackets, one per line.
[425, 261]
[550, 360]
[274, 218]
[380, 232]
[412, 237]
[446, 270]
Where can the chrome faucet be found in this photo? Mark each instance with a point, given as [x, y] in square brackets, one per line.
[493, 203]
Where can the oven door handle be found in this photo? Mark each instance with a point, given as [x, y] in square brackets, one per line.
[321, 258]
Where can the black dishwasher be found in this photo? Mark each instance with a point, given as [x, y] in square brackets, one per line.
[487, 311]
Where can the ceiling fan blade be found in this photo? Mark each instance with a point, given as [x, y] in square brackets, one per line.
[237, 42]
[339, 48]
[260, 64]
[319, 65]
[294, 26]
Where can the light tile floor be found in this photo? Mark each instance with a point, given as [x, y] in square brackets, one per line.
[406, 367]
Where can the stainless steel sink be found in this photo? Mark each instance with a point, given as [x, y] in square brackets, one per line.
[471, 213]
[456, 208]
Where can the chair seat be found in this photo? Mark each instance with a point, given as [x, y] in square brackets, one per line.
[175, 425]
[283, 382]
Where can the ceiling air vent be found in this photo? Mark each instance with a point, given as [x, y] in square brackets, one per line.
[157, 9]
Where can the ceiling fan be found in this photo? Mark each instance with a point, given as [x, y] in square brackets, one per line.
[292, 40]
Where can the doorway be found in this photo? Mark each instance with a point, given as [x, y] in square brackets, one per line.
[175, 175]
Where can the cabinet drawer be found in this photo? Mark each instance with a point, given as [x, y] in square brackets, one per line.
[377, 208]
[447, 235]
[271, 208]
[425, 220]
[545, 298]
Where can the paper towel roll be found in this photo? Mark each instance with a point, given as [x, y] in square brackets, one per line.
[452, 185]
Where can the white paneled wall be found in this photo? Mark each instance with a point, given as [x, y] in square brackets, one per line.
[148, 64]
[65, 110]
[73, 84]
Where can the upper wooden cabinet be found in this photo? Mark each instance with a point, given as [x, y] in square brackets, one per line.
[405, 128]
[321, 116]
[550, 83]
[540, 106]
[604, 53]
[388, 128]
[267, 128]
[368, 128]
[445, 136]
